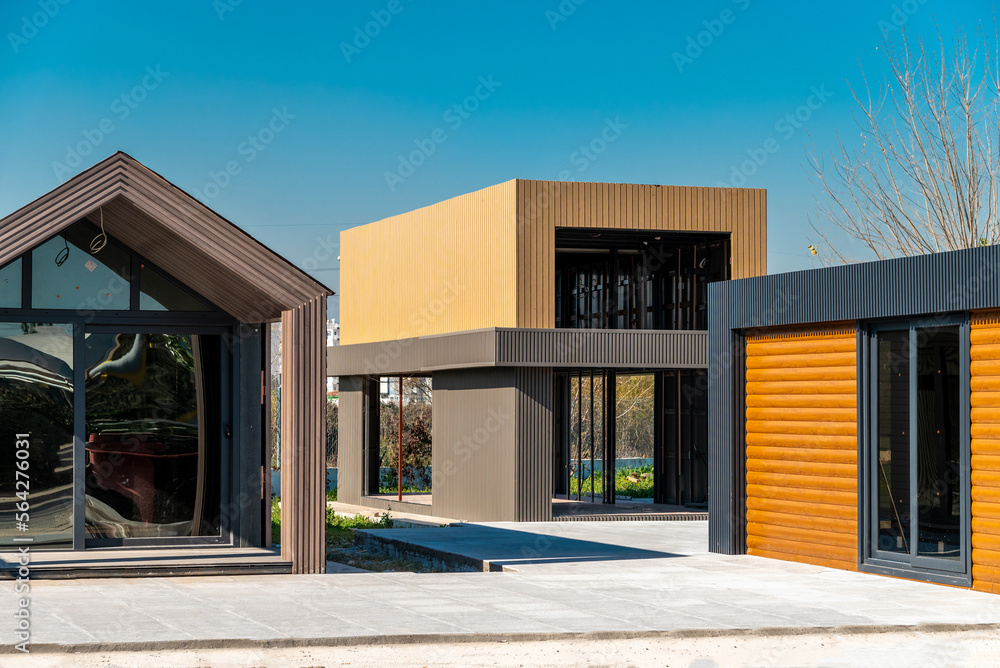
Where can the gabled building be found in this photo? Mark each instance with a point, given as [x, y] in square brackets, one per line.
[133, 357]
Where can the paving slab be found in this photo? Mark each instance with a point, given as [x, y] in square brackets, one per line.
[587, 579]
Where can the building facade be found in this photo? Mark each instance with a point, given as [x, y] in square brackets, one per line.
[534, 309]
[856, 417]
[133, 357]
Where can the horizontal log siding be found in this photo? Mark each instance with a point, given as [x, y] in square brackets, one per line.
[802, 446]
[985, 400]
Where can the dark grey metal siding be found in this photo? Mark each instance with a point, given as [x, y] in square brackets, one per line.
[929, 284]
[533, 446]
[351, 439]
[496, 347]
[475, 444]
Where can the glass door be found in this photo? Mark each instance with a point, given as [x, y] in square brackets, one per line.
[153, 436]
[919, 482]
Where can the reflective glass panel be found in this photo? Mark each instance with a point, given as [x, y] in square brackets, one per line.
[939, 490]
[10, 285]
[893, 456]
[36, 398]
[158, 293]
[153, 435]
[66, 275]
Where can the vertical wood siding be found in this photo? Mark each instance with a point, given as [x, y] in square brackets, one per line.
[444, 268]
[543, 206]
[303, 451]
[985, 400]
[802, 445]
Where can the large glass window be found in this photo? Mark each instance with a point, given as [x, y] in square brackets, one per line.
[919, 454]
[66, 274]
[634, 279]
[36, 435]
[10, 285]
[153, 435]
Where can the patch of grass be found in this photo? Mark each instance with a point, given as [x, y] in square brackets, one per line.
[331, 494]
[275, 521]
[634, 482]
[407, 489]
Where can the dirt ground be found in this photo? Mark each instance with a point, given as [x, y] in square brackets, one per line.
[979, 649]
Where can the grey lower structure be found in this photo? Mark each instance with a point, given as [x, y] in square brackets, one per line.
[494, 403]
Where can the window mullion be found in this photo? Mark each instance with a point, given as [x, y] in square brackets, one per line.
[914, 519]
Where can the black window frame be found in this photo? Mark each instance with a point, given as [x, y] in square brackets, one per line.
[870, 559]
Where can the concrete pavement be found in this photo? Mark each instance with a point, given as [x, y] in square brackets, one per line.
[587, 579]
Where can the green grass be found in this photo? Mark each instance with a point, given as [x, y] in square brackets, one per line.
[407, 489]
[331, 494]
[634, 482]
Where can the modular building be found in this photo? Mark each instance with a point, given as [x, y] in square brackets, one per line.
[134, 354]
[542, 317]
[855, 417]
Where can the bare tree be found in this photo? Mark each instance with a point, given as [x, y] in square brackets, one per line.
[927, 175]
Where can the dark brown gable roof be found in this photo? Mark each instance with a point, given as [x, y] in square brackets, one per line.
[171, 229]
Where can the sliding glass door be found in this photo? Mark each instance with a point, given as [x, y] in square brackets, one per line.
[919, 471]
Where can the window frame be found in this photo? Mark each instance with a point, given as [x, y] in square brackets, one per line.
[870, 559]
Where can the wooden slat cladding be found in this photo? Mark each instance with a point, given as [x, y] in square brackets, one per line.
[984, 351]
[444, 268]
[172, 230]
[542, 206]
[303, 442]
[802, 446]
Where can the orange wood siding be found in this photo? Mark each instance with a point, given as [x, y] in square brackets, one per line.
[802, 446]
[985, 400]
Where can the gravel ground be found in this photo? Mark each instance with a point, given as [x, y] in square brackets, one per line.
[978, 649]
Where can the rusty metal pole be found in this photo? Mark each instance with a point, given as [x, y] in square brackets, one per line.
[399, 466]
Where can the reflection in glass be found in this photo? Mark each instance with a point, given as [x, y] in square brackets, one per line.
[939, 517]
[10, 285]
[36, 398]
[66, 275]
[893, 465]
[158, 293]
[153, 410]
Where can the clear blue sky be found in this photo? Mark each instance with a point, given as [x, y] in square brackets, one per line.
[346, 115]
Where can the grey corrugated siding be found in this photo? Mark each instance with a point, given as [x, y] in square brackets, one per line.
[475, 444]
[501, 347]
[533, 447]
[351, 439]
[962, 280]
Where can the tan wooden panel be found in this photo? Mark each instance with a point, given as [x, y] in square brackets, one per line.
[801, 445]
[985, 398]
[444, 268]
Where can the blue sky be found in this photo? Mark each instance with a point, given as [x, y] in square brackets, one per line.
[312, 114]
